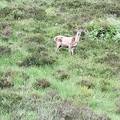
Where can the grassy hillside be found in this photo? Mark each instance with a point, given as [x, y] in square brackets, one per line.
[38, 84]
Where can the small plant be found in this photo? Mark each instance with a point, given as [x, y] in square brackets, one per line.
[62, 75]
[4, 50]
[24, 76]
[88, 83]
[6, 31]
[52, 95]
[118, 105]
[5, 83]
[5, 12]
[85, 92]
[6, 80]
[104, 85]
[43, 83]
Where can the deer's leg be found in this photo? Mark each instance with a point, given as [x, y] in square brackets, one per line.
[58, 45]
[72, 51]
[57, 48]
[69, 49]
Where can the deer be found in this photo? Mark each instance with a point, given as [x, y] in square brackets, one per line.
[68, 42]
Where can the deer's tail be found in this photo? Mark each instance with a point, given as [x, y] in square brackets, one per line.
[55, 39]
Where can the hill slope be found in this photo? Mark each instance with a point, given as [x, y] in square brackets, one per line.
[36, 82]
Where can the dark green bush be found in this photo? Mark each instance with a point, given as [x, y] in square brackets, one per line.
[40, 39]
[24, 11]
[28, 12]
[102, 29]
[34, 47]
[39, 59]
[35, 43]
[5, 12]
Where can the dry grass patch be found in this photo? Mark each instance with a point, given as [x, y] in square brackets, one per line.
[42, 83]
[62, 75]
[87, 83]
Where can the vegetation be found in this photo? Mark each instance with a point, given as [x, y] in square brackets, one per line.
[36, 83]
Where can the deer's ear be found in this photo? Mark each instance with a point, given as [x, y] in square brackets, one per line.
[75, 32]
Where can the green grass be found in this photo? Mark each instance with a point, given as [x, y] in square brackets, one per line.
[95, 57]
